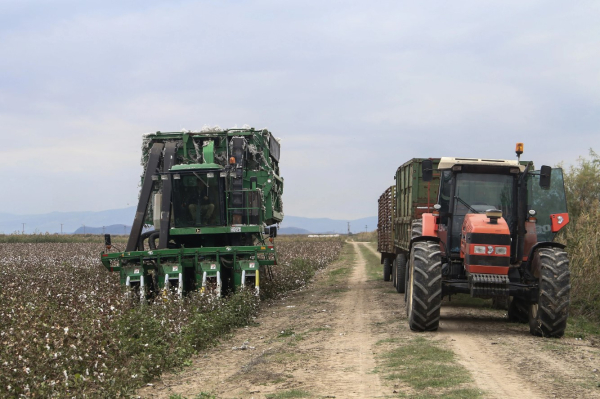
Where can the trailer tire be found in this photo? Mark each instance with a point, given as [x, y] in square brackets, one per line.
[548, 317]
[394, 277]
[416, 228]
[424, 286]
[387, 269]
[400, 273]
[518, 311]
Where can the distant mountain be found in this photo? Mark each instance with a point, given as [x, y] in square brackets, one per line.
[71, 221]
[292, 230]
[115, 229]
[114, 221]
[326, 225]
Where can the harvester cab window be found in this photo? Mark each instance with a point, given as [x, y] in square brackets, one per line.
[546, 202]
[476, 193]
[198, 199]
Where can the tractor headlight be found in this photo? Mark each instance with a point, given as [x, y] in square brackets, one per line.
[479, 249]
[501, 250]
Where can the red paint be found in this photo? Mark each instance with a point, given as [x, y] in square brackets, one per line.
[555, 225]
[430, 227]
[487, 269]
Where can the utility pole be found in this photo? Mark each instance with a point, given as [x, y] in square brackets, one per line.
[124, 230]
[102, 230]
[61, 225]
[84, 229]
[365, 228]
[23, 232]
[348, 228]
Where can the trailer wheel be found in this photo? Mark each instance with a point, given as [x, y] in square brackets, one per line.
[387, 269]
[400, 273]
[394, 272]
[416, 228]
[518, 311]
[548, 317]
[424, 286]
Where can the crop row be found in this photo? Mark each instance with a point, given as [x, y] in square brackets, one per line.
[67, 330]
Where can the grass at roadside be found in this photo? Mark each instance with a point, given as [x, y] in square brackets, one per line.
[429, 370]
[374, 266]
[293, 393]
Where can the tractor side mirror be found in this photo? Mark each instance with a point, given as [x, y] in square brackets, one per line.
[427, 170]
[545, 173]
[273, 232]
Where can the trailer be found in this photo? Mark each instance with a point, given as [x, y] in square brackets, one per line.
[399, 205]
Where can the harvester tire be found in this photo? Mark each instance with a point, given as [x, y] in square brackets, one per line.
[416, 228]
[424, 286]
[518, 311]
[387, 269]
[548, 317]
[400, 273]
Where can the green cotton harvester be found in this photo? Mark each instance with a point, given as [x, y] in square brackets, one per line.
[208, 208]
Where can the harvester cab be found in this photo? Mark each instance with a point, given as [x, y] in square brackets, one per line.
[491, 235]
[207, 211]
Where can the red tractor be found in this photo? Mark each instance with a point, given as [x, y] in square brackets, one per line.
[491, 235]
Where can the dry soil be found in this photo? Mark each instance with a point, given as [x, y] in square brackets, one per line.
[328, 340]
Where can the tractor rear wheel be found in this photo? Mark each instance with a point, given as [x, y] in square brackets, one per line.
[424, 286]
[400, 273]
[416, 228]
[387, 269]
[548, 317]
[518, 311]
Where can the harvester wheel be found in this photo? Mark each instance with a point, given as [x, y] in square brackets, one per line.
[518, 311]
[548, 317]
[400, 273]
[416, 228]
[387, 269]
[424, 286]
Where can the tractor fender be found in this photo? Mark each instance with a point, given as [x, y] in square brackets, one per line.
[422, 238]
[429, 225]
[540, 245]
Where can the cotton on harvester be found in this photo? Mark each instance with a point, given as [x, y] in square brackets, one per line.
[207, 213]
[483, 227]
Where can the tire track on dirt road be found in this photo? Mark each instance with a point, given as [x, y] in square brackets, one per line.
[358, 339]
[504, 360]
[319, 340]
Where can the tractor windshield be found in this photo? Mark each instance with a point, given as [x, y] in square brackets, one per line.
[478, 192]
[197, 199]
[546, 201]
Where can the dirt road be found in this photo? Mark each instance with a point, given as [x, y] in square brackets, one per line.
[333, 339]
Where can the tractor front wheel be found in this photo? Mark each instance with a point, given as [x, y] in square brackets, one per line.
[424, 286]
[548, 317]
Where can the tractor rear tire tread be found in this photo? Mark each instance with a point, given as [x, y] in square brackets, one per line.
[550, 320]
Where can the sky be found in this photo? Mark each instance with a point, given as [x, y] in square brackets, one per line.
[353, 89]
